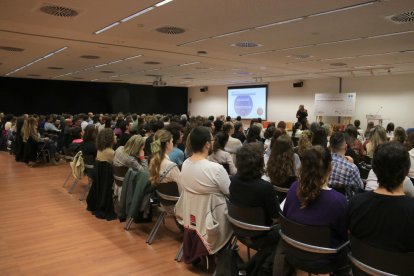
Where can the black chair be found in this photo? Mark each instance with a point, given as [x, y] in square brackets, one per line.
[168, 196]
[248, 224]
[367, 259]
[119, 174]
[88, 162]
[307, 245]
[281, 191]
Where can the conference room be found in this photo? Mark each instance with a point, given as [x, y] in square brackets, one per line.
[342, 60]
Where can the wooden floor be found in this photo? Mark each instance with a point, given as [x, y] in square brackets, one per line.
[44, 230]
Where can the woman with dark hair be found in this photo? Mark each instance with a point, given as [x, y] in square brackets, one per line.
[400, 135]
[219, 155]
[268, 135]
[247, 188]
[384, 218]
[390, 130]
[311, 202]
[283, 165]
[370, 126]
[88, 146]
[354, 145]
[18, 146]
[253, 135]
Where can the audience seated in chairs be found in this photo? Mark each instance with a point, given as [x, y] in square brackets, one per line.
[304, 143]
[311, 202]
[88, 145]
[233, 144]
[18, 145]
[202, 206]
[176, 155]
[355, 147]
[132, 154]
[378, 137]
[248, 190]
[384, 218]
[283, 165]
[164, 172]
[220, 156]
[345, 176]
[34, 144]
[100, 200]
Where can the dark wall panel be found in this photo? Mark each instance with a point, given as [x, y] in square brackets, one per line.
[20, 96]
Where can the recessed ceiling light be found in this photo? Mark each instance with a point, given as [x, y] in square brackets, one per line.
[37, 60]
[246, 44]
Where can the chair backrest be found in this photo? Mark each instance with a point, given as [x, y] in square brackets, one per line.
[88, 162]
[281, 191]
[376, 261]
[313, 239]
[119, 174]
[247, 222]
[168, 193]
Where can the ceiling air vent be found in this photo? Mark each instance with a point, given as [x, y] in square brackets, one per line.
[89, 57]
[405, 17]
[55, 68]
[246, 44]
[78, 78]
[152, 62]
[107, 72]
[170, 30]
[150, 75]
[33, 75]
[188, 78]
[59, 11]
[11, 49]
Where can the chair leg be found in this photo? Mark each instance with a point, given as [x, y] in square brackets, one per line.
[179, 255]
[156, 227]
[128, 223]
[67, 178]
[86, 190]
[73, 186]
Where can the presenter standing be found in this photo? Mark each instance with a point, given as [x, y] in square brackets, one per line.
[302, 115]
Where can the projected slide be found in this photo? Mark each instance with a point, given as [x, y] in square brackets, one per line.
[249, 102]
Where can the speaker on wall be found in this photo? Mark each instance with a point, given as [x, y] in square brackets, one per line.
[298, 84]
[204, 89]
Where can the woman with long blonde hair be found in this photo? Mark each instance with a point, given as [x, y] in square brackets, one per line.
[132, 154]
[161, 168]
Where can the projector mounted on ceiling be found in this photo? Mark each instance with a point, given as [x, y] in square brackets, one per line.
[159, 82]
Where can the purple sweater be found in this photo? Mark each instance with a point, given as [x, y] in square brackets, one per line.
[329, 209]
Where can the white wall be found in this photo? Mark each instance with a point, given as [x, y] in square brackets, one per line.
[394, 93]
